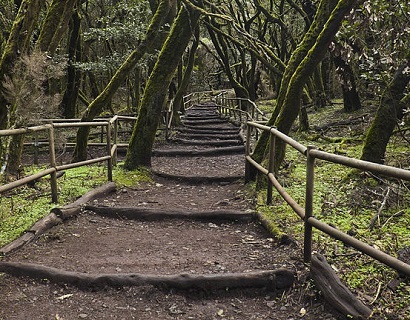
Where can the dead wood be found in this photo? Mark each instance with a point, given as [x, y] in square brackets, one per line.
[18, 243]
[197, 179]
[75, 207]
[334, 291]
[354, 120]
[214, 143]
[159, 214]
[45, 224]
[34, 232]
[272, 279]
[202, 153]
[376, 217]
[56, 216]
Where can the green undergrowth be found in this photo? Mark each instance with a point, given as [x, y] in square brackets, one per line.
[22, 207]
[371, 208]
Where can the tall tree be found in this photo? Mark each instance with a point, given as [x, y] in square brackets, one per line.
[55, 25]
[183, 84]
[17, 45]
[390, 112]
[143, 136]
[302, 64]
[97, 105]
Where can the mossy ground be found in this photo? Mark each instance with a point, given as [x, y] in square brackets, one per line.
[22, 207]
[348, 200]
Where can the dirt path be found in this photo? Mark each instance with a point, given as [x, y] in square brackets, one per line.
[95, 244]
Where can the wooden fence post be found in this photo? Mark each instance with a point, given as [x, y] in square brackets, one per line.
[36, 147]
[109, 161]
[115, 138]
[310, 176]
[247, 153]
[272, 144]
[53, 175]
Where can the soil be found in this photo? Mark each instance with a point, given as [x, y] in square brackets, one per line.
[95, 244]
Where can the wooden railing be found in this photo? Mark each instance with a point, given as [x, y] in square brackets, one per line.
[306, 212]
[250, 115]
[109, 131]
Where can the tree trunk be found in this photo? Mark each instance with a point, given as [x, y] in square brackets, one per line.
[183, 85]
[143, 136]
[96, 106]
[297, 56]
[351, 100]
[301, 66]
[390, 111]
[55, 25]
[17, 44]
[222, 50]
[292, 100]
[15, 150]
[73, 75]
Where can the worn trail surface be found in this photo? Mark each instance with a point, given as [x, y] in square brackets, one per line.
[201, 172]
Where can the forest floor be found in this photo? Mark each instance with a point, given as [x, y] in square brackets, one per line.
[91, 243]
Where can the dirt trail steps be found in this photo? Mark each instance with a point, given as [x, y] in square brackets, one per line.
[153, 234]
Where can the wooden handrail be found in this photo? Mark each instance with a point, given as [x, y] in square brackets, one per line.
[306, 213]
[110, 157]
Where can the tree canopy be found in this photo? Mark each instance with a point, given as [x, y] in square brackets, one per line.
[302, 53]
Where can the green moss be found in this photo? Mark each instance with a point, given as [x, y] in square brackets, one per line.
[347, 199]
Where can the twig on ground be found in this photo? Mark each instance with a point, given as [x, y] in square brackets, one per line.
[376, 217]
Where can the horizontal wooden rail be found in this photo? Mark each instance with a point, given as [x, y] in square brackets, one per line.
[306, 213]
[363, 165]
[25, 180]
[111, 149]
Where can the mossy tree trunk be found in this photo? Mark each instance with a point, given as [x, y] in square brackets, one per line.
[291, 102]
[302, 64]
[390, 111]
[97, 105]
[183, 84]
[221, 48]
[55, 25]
[73, 75]
[143, 136]
[17, 45]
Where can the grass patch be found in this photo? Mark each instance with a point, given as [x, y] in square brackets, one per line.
[22, 207]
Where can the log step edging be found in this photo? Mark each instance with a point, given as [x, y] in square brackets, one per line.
[198, 179]
[270, 279]
[219, 128]
[202, 153]
[214, 143]
[202, 136]
[57, 216]
[152, 214]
